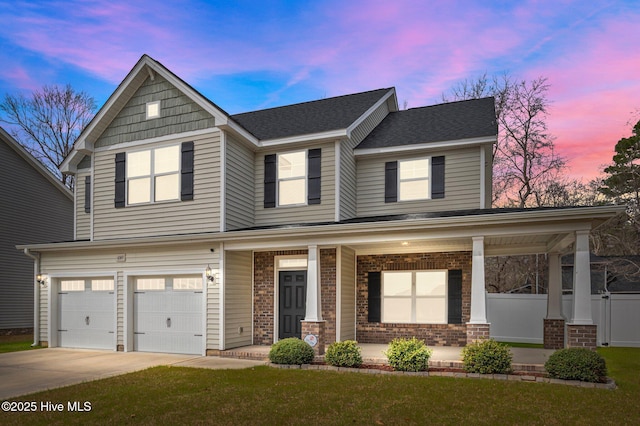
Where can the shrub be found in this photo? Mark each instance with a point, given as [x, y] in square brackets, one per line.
[486, 357]
[343, 354]
[408, 354]
[291, 351]
[577, 364]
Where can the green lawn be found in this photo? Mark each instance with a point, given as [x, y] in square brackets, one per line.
[20, 342]
[263, 395]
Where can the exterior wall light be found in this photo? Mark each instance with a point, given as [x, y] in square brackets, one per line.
[42, 280]
[209, 274]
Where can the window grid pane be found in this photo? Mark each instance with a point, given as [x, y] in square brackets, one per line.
[139, 164]
[291, 192]
[102, 285]
[414, 169]
[72, 285]
[166, 160]
[139, 191]
[167, 187]
[150, 284]
[292, 165]
[414, 190]
[187, 283]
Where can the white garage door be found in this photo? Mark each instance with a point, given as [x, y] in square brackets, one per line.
[86, 313]
[168, 314]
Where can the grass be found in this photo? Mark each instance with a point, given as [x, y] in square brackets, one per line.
[18, 342]
[263, 395]
[524, 345]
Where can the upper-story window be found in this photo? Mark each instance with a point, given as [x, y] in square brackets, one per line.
[153, 110]
[153, 175]
[292, 178]
[413, 182]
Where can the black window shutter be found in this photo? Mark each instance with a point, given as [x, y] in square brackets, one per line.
[455, 297]
[87, 194]
[186, 170]
[391, 182]
[374, 289]
[269, 181]
[121, 180]
[437, 184]
[313, 182]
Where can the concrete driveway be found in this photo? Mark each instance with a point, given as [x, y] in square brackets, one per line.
[32, 371]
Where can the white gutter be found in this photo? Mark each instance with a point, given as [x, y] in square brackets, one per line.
[36, 296]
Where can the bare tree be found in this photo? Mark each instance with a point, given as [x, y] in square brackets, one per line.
[47, 122]
[525, 161]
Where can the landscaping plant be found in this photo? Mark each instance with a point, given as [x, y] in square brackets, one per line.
[408, 354]
[486, 357]
[291, 351]
[343, 354]
[577, 364]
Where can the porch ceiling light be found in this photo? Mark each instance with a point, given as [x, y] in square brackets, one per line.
[42, 279]
[209, 274]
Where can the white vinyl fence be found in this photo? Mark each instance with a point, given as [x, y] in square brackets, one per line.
[519, 317]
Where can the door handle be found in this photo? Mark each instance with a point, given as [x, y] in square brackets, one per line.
[87, 320]
[168, 322]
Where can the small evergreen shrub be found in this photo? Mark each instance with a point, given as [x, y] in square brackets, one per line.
[408, 354]
[343, 354]
[291, 351]
[577, 364]
[486, 357]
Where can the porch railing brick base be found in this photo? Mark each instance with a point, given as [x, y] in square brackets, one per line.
[553, 333]
[314, 331]
[477, 332]
[582, 336]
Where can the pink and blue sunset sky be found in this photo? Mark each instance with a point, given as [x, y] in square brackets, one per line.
[248, 55]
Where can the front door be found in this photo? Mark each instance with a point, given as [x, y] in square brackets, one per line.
[292, 303]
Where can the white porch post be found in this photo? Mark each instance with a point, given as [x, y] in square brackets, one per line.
[554, 300]
[582, 280]
[313, 310]
[478, 296]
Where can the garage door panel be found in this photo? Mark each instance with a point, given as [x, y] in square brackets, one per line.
[86, 319]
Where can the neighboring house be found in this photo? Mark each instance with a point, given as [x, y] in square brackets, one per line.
[35, 207]
[343, 218]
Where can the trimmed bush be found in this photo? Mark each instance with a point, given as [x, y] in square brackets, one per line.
[577, 364]
[291, 351]
[408, 354]
[486, 357]
[343, 354]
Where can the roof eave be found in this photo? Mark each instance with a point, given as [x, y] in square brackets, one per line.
[460, 143]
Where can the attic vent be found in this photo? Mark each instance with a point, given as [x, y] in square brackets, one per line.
[153, 109]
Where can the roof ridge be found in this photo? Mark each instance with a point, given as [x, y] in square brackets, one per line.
[449, 103]
[313, 101]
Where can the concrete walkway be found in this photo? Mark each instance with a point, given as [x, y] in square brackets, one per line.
[32, 371]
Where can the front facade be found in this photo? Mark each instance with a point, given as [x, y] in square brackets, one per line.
[198, 231]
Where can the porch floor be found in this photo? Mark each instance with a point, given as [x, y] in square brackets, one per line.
[524, 359]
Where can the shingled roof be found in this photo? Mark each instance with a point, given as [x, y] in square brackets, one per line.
[444, 122]
[308, 117]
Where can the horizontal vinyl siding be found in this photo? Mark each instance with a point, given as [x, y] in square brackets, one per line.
[238, 300]
[166, 218]
[239, 185]
[149, 260]
[462, 190]
[348, 161]
[83, 220]
[32, 210]
[347, 294]
[178, 114]
[323, 212]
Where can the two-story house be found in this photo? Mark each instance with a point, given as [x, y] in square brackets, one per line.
[198, 231]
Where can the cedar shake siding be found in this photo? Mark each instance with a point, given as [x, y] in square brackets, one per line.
[371, 330]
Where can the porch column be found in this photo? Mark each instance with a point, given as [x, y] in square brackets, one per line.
[581, 330]
[554, 321]
[478, 326]
[313, 325]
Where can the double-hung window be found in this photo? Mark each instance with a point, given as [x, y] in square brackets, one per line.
[153, 175]
[414, 297]
[292, 178]
[413, 182]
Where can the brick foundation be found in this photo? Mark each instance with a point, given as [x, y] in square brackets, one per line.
[553, 333]
[317, 330]
[432, 334]
[477, 332]
[582, 336]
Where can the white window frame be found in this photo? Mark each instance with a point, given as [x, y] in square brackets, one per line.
[414, 297]
[305, 178]
[414, 179]
[149, 110]
[152, 175]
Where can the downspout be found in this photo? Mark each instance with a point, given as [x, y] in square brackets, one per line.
[36, 296]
